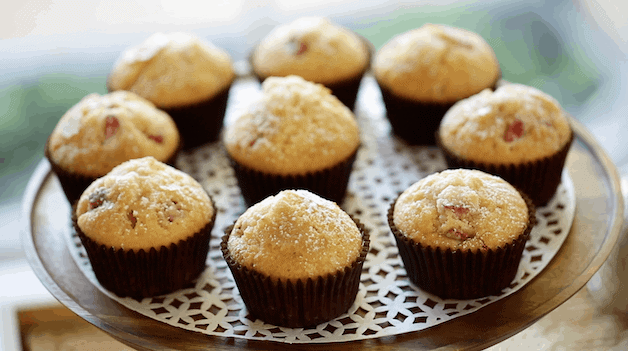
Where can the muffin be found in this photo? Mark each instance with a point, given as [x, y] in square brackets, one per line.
[296, 258]
[516, 132]
[423, 72]
[183, 75]
[102, 131]
[461, 233]
[317, 50]
[296, 135]
[146, 228]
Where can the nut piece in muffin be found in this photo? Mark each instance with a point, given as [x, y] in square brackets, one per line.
[102, 131]
[182, 74]
[423, 72]
[300, 246]
[461, 232]
[517, 132]
[317, 50]
[145, 227]
[296, 135]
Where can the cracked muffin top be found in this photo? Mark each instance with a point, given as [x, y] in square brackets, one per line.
[313, 48]
[461, 209]
[172, 70]
[511, 125]
[295, 127]
[295, 235]
[142, 204]
[436, 63]
[102, 131]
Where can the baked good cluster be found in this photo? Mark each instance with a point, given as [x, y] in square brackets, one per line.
[146, 225]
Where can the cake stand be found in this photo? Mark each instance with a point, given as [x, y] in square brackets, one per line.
[594, 232]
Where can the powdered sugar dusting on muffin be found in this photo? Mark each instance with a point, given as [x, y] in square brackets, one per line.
[293, 235]
[461, 209]
[102, 131]
[313, 48]
[294, 127]
[514, 124]
[143, 203]
[172, 69]
[436, 63]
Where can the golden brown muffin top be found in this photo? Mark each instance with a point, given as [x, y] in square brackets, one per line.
[295, 235]
[436, 63]
[461, 209]
[102, 131]
[313, 48]
[295, 127]
[172, 70]
[142, 204]
[513, 124]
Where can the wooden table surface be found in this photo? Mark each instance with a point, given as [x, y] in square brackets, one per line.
[596, 228]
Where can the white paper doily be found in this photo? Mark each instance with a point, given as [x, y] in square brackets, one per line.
[387, 303]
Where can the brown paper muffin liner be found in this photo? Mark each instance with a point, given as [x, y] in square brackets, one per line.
[300, 303]
[346, 90]
[202, 122]
[139, 274]
[73, 184]
[538, 179]
[330, 183]
[414, 121]
[458, 274]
